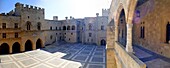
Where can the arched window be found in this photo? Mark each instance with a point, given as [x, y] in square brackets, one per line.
[73, 27]
[64, 27]
[68, 27]
[39, 26]
[28, 25]
[90, 26]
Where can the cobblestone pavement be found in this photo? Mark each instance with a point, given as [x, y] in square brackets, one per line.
[151, 59]
[58, 56]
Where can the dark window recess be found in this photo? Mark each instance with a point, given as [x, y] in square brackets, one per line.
[16, 35]
[142, 32]
[64, 27]
[39, 26]
[51, 28]
[56, 28]
[28, 25]
[73, 27]
[3, 35]
[102, 27]
[51, 37]
[168, 33]
[16, 25]
[3, 25]
[71, 33]
[90, 34]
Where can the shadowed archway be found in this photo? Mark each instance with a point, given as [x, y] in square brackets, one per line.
[103, 42]
[4, 48]
[39, 44]
[16, 47]
[28, 45]
[122, 29]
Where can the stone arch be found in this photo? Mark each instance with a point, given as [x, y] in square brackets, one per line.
[103, 42]
[28, 45]
[16, 47]
[122, 29]
[39, 43]
[64, 27]
[4, 48]
[68, 27]
[118, 13]
[73, 27]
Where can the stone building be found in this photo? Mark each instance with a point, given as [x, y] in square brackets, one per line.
[21, 29]
[142, 23]
[95, 29]
[25, 29]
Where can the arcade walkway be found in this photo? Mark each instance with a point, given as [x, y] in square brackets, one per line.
[151, 59]
[57, 56]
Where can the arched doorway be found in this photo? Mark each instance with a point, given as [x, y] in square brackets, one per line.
[38, 44]
[167, 33]
[103, 42]
[28, 45]
[122, 29]
[16, 47]
[4, 48]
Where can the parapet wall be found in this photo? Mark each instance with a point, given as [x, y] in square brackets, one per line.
[28, 7]
[126, 59]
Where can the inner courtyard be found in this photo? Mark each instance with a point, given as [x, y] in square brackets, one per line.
[58, 56]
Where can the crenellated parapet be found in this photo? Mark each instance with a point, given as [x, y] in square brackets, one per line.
[28, 7]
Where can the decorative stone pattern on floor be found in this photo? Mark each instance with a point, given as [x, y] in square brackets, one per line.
[58, 56]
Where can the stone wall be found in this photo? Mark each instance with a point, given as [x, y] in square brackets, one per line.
[154, 16]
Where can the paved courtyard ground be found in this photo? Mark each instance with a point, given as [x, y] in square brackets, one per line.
[58, 56]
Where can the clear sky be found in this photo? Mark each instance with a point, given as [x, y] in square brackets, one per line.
[61, 8]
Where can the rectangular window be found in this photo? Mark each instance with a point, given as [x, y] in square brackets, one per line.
[3, 25]
[90, 34]
[51, 28]
[16, 35]
[16, 25]
[142, 32]
[56, 28]
[3, 35]
[102, 27]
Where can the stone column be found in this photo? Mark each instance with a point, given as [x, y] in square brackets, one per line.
[116, 32]
[10, 49]
[34, 46]
[129, 38]
[22, 49]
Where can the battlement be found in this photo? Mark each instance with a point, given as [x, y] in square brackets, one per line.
[28, 7]
[105, 9]
[105, 12]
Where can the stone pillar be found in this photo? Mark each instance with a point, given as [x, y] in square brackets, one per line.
[116, 32]
[34, 46]
[22, 49]
[10, 49]
[129, 38]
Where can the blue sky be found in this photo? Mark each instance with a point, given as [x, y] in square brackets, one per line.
[61, 8]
